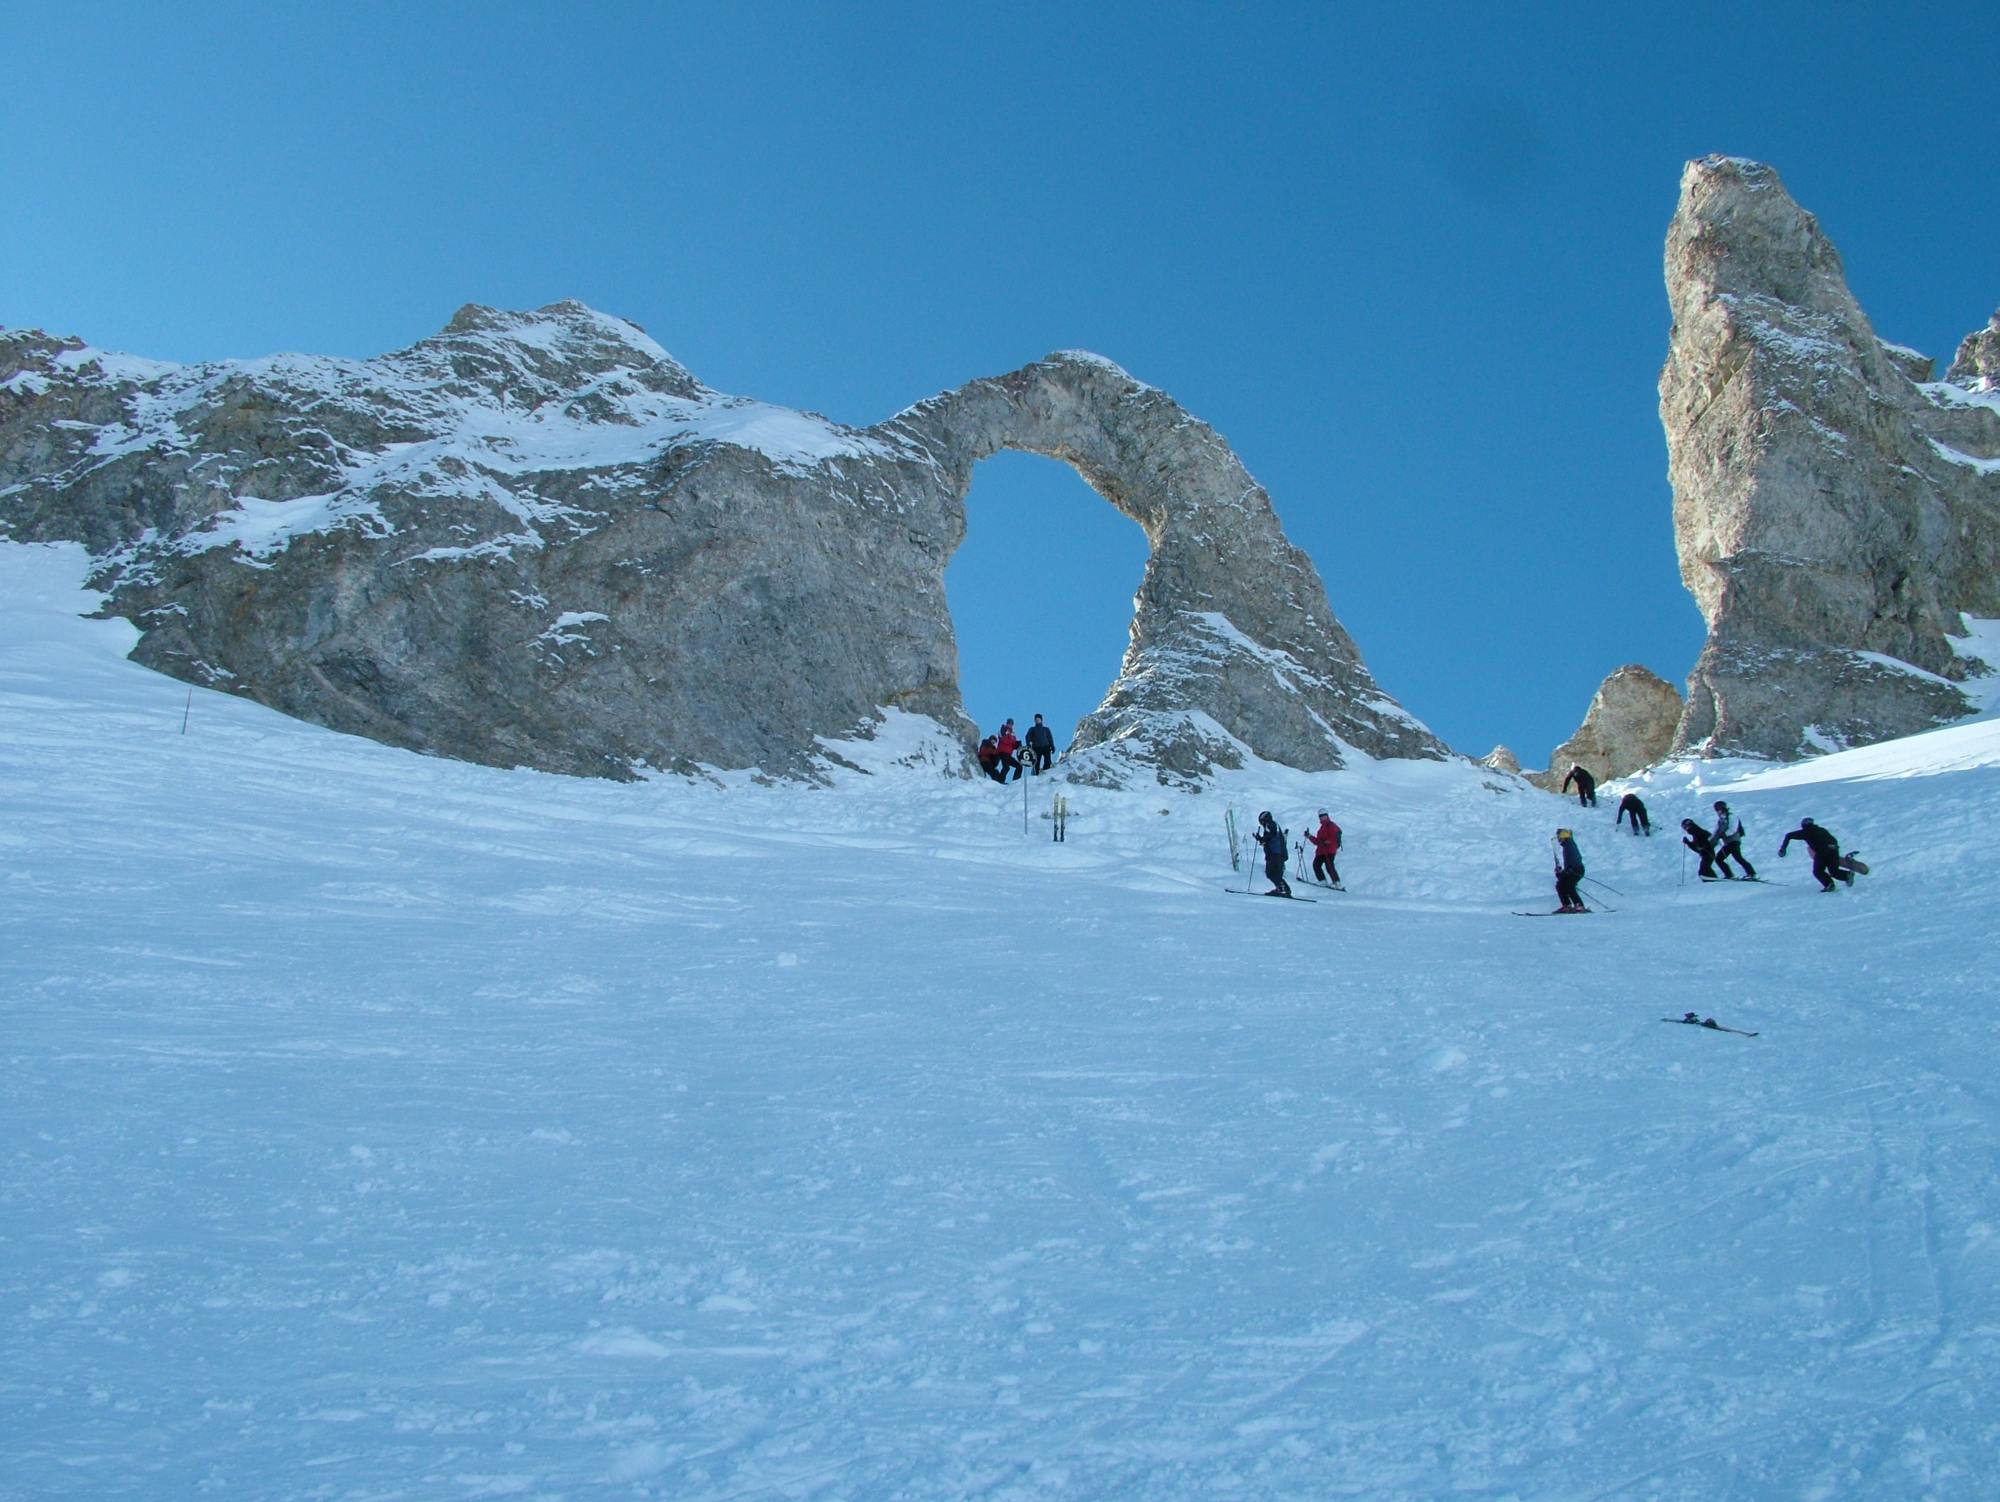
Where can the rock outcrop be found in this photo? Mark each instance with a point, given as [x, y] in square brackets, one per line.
[534, 539]
[1629, 726]
[1836, 512]
[1500, 759]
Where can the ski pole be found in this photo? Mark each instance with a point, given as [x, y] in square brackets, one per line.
[1604, 884]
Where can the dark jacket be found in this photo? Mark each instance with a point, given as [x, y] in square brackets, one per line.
[1583, 780]
[1569, 859]
[1817, 840]
[1041, 738]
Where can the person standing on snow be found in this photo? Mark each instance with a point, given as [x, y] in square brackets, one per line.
[1569, 871]
[1729, 843]
[1632, 806]
[1825, 853]
[1272, 839]
[1586, 786]
[1699, 841]
[1041, 746]
[1326, 845]
[1005, 744]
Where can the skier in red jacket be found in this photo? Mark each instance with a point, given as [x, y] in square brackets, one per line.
[1326, 845]
[1007, 743]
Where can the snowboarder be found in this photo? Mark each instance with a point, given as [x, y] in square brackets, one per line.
[1005, 744]
[1041, 747]
[1272, 839]
[1699, 841]
[1632, 806]
[1825, 853]
[1326, 845]
[989, 760]
[1729, 843]
[1569, 871]
[1586, 786]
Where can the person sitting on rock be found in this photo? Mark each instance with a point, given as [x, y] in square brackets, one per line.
[1825, 853]
[1702, 844]
[989, 760]
[1041, 745]
[1633, 806]
[1569, 872]
[1586, 786]
[1729, 843]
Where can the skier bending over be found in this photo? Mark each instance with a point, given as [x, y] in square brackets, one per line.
[1041, 746]
[1702, 844]
[1586, 786]
[989, 760]
[1007, 744]
[1825, 853]
[1729, 843]
[1569, 871]
[1326, 845]
[1631, 806]
[1272, 839]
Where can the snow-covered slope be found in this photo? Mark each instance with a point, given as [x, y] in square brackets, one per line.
[382, 1126]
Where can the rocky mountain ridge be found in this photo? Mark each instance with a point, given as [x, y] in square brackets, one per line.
[536, 539]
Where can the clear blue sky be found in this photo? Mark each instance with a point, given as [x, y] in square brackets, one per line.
[1408, 266]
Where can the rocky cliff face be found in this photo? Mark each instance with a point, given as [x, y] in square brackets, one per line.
[1630, 725]
[1835, 510]
[534, 539]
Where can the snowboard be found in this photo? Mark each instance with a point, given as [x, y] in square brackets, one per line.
[1853, 863]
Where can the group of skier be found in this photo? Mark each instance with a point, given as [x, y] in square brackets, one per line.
[1325, 842]
[999, 753]
[1716, 847]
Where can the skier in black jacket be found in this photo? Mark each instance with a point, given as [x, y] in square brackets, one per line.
[1825, 853]
[1586, 786]
[1699, 841]
[1272, 839]
[1632, 807]
[1569, 871]
[1041, 744]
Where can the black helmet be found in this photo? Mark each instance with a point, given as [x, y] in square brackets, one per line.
[1807, 824]
[1720, 806]
[1264, 817]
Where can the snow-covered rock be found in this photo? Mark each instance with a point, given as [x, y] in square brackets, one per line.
[536, 539]
[1834, 510]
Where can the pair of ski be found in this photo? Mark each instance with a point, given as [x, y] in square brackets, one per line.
[1288, 896]
[1693, 1020]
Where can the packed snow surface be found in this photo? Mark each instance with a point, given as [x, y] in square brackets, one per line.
[381, 1127]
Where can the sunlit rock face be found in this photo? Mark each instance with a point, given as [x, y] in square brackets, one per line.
[1629, 726]
[1836, 511]
[535, 539]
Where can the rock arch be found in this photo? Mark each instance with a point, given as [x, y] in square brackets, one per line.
[1233, 642]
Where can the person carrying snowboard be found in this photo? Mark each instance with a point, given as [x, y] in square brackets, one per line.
[1729, 843]
[1702, 844]
[1631, 806]
[1272, 839]
[1326, 845]
[1825, 853]
[1041, 745]
[1569, 871]
[1586, 786]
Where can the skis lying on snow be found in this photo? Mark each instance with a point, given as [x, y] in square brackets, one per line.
[1710, 1023]
[1557, 912]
